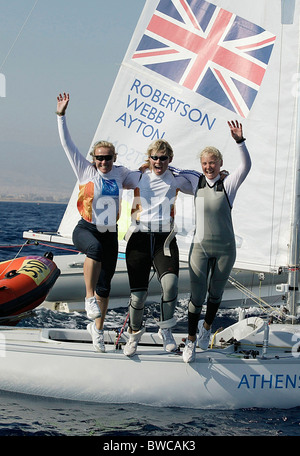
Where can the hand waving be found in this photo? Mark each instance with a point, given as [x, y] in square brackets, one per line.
[62, 103]
[236, 130]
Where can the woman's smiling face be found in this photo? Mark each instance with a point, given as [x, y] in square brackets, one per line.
[159, 162]
[104, 159]
[211, 165]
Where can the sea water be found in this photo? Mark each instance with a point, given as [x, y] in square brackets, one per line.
[22, 415]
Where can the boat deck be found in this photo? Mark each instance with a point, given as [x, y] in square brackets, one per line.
[239, 341]
[62, 363]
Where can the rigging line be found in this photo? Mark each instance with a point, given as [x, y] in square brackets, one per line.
[253, 297]
[245, 290]
[51, 246]
[249, 294]
[10, 262]
[18, 36]
[122, 329]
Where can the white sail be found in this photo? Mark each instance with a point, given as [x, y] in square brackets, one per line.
[191, 66]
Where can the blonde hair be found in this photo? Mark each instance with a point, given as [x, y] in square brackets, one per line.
[159, 145]
[102, 143]
[211, 150]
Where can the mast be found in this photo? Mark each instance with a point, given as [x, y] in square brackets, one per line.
[293, 275]
[287, 17]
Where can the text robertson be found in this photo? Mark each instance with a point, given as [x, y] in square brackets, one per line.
[147, 108]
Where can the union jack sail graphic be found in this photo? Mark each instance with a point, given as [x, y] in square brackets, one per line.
[208, 50]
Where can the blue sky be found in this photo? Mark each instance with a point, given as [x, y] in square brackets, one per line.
[65, 45]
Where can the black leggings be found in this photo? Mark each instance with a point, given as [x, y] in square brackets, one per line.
[147, 249]
[101, 247]
[143, 251]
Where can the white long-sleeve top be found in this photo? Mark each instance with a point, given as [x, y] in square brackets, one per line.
[155, 198]
[231, 182]
[100, 194]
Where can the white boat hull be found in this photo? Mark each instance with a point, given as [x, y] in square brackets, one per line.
[69, 290]
[61, 363]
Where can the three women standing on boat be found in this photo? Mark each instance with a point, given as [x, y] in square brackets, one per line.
[151, 236]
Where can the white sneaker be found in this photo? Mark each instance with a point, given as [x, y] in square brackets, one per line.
[189, 351]
[97, 337]
[92, 308]
[131, 346]
[204, 336]
[169, 342]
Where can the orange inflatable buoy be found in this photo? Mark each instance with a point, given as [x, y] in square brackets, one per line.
[25, 283]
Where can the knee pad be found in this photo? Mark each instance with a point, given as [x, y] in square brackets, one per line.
[169, 284]
[136, 309]
[137, 299]
[193, 308]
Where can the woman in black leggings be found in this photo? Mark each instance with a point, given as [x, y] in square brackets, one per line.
[152, 242]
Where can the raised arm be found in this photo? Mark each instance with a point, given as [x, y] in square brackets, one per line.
[236, 130]
[62, 103]
[235, 179]
[81, 166]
